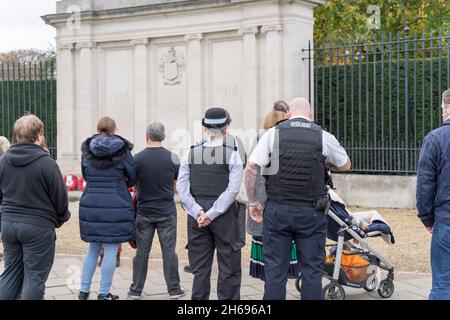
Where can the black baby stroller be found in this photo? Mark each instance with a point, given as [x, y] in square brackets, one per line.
[355, 264]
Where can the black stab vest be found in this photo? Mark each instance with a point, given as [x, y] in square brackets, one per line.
[209, 170]
[297, 163]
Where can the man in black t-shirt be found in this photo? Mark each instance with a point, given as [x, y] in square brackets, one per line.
[157, 172]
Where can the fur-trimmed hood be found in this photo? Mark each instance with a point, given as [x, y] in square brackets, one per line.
[105, 152]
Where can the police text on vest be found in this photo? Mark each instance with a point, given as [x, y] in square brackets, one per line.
[300, 124]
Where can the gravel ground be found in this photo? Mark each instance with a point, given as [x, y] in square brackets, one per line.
[410, 253]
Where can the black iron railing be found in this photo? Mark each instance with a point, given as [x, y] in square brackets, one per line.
[380, 96]
[28, 88]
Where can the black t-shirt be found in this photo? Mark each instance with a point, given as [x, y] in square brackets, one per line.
[157, 171]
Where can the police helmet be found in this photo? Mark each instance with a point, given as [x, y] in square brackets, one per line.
[216, 117]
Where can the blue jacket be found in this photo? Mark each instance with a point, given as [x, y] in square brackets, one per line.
[433, 177]
[106, 208]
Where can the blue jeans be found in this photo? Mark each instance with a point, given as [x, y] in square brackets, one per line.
[108, 266]
[440, 266]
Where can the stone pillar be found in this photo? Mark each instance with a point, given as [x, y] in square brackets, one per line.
[141, 92]
[273, 77]
[194, 75]
[66, 142]
[250, 73]
[87, 107]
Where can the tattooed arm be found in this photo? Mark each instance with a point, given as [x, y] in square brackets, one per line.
[251, 172]
[256, 209]
[258, 159]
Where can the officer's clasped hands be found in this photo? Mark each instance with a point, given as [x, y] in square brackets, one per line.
[203, 220]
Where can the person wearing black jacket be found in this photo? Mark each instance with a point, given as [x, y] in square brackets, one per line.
[34, 203]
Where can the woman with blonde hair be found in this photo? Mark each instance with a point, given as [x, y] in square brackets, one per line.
[106, 208]
[4, 145]
[273, 118]
[255, 228]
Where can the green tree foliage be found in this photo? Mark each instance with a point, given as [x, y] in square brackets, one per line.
[348, 18]
[28, 85]
[28, 64]
[28, 55]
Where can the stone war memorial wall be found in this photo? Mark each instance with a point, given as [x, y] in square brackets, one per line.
[153, 60]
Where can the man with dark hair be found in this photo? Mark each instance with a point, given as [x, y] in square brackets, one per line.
[281, 106]
[433, 200]
[157, 172]
[208, 184]
[34, 203]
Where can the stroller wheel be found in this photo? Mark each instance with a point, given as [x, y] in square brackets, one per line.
[298, 283]
[333, 291]
[372, 285]
[386, 289]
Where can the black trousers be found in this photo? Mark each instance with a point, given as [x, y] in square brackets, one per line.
[146, 227]
[223, 235]
[243, 221]
[29, 252]
[307, 226]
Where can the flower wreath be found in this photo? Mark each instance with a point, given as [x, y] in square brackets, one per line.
[71, 182]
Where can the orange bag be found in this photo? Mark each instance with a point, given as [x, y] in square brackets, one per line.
[355, 266]
[353, 260]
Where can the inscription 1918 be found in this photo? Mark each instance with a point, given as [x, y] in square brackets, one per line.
[227, 90]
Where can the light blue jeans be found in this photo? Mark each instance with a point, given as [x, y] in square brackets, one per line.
[108, 266]
[440, 262]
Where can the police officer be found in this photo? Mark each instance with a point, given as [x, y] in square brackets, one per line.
[208, 184]
[293, 156]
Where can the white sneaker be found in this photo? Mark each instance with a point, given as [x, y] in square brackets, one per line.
[179, 295]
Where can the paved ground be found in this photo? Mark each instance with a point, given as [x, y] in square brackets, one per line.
[411, 253]
[62, 283]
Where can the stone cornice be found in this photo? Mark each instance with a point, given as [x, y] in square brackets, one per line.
[65, 46]
[272, 28]
[248, 30]
[136, 42]
[193, 36]
[91, 15]
[161, 8]
[85, 45]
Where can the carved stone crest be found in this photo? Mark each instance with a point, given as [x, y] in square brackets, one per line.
[172, 65]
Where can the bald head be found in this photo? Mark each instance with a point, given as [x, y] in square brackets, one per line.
[300, 107]
[446, 104]
[446, 97]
